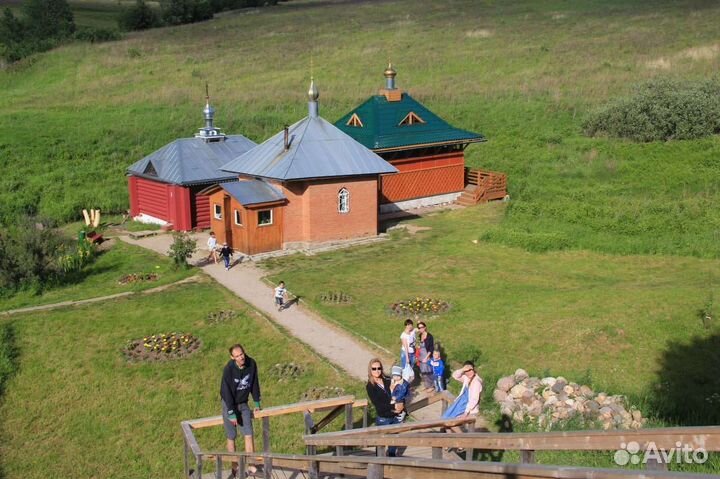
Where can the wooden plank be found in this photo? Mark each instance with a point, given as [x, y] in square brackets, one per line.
[403, 467]
[707, 438]
[204, 422]
[328, 437]
[190, 438]
[318, 405]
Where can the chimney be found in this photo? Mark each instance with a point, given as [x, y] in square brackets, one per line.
[287, 138]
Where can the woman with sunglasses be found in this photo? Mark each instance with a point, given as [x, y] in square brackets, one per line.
[378, 391]
[426, 344]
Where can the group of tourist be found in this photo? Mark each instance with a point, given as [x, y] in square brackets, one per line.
[418, 348]
[388, 394]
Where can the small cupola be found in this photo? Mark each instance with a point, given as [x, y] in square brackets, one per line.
[313, 95]
[391, 92]
[209, 133]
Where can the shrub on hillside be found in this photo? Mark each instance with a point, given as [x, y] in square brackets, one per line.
[97, 35]
[661, 109]
[28, 255]
[44, 25]
[139, 17]
[178, 12]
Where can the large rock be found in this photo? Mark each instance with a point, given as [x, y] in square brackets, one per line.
[547, 393]
[586, 392]
[506, 383]
[517, 391]
[559, 386]
[520, 375]
[499, 396]
[548, 381]
[527, 397]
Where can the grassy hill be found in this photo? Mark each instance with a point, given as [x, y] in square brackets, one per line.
[524, 73]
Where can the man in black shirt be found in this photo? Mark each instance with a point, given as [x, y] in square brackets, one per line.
[239, 381]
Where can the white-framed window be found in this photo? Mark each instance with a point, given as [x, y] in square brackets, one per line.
[343, 201]
[265, 217]
[217, 211]
[238, 218]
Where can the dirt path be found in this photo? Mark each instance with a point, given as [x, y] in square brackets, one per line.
[246, 281]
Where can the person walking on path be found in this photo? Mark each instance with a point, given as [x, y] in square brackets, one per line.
[426, 344]
[212, 248]
[226, 253]
[280, 294]
[467, 403]
[379, 394]
[239, 381]
[407, 345]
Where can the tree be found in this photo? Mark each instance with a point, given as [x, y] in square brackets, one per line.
[139, 17]
[182, 248]
[48, 19]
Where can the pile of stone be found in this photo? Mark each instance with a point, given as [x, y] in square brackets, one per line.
[552, 400]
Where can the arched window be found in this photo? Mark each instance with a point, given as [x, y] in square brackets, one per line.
[343, 201]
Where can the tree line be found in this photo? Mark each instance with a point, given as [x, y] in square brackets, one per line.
[45, 24]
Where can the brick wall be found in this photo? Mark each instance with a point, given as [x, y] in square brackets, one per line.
[312, 210]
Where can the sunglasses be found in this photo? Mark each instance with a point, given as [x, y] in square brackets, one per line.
[421, 327]
[376, 369]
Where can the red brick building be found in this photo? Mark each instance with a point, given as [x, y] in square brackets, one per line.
[309, 183]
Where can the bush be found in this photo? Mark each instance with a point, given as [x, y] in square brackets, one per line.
[97, 35]
[661, 110]
[28, 253]
[139, 17]
[182, 249]
[178, 12]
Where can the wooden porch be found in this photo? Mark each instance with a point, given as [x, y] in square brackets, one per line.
[361, 452]
[482, 186]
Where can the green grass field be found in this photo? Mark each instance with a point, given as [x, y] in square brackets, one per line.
[85, 412]
[618, 319]
[523, 73]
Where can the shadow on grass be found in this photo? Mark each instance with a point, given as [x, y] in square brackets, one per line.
[687, 391]
[8, 361]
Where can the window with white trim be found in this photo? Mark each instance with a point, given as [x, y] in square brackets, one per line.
[265, 217]
[238, 218]
[217, 211]
[344, 201]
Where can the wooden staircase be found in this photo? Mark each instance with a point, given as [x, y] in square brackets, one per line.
[482, 186]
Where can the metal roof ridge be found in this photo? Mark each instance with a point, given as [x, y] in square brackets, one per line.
[291, 159]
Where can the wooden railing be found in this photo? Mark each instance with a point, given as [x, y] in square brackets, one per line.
[335, 406]
[490, 185]
[408, 435]
[707, 438]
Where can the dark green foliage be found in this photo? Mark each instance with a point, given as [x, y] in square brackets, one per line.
[178, 12]
[182, 249]
[97, 34]
[139, 17]
[27, 255]
[48, 19]
[661, 110]
[44, 25]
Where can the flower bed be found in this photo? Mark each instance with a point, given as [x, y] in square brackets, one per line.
[138, 277]
[160, 347]
[419, 307]
[217, 317]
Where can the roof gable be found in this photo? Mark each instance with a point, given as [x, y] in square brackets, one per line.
[403, 123]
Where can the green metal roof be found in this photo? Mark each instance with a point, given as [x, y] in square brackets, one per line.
[382, 130]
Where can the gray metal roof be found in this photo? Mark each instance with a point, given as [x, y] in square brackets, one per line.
[188, 161]
[252, 192]
[318, 149]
